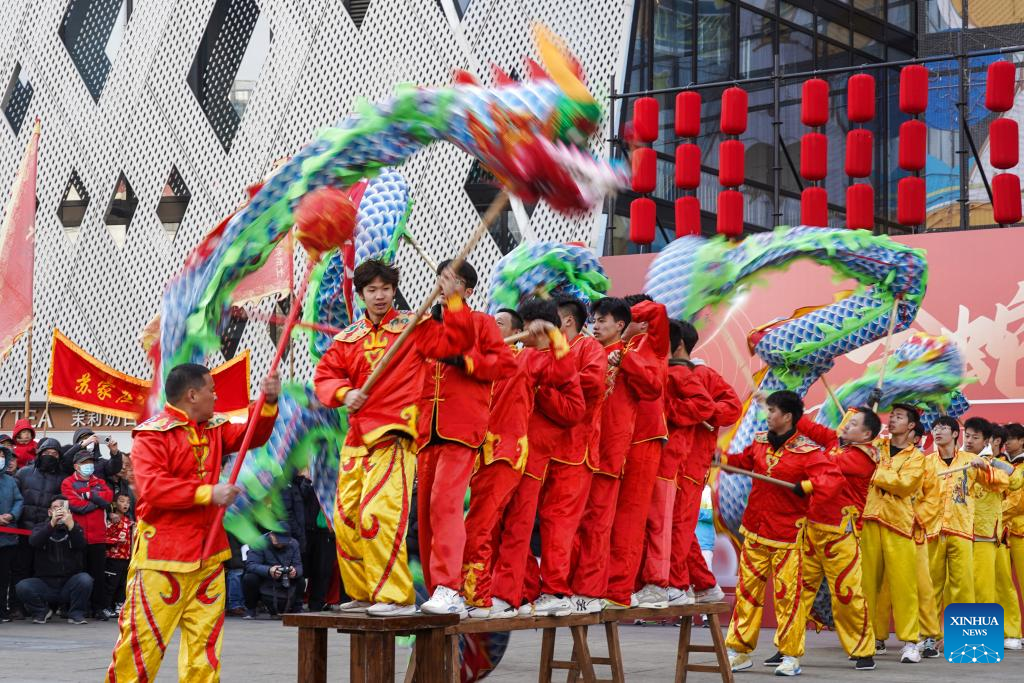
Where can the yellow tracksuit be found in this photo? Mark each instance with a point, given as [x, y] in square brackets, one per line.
[988, 533]
[371, 518]
[1010, 556]
[887, 537]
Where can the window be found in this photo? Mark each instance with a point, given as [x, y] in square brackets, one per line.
[92, 32]
[120, 211]
[173, 202]
[17, 99]
[714, 41]
[72, 207]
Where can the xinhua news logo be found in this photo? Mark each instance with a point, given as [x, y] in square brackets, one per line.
[973, 633]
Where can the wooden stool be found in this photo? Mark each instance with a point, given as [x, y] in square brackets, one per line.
[372, 658]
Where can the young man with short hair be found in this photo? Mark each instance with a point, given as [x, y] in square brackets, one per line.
[988, 508]
[90, 498]
[771, 531]
[1013, 528]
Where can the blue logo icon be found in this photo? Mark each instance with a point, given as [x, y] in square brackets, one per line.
[973, 633]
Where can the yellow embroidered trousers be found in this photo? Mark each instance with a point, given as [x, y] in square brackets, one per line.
[890, 557]
[1006, 593]
[952, 566]
[756, 562]
[371, 518]
[927, 611]
[835, 557]
[984, 571]
[157, 603]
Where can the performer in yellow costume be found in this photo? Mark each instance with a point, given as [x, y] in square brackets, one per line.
[988, 511]
[1005, 591]
[1013, 525]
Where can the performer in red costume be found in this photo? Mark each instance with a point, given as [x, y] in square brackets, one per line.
[648, 334]
[544, 361]
[177, 458]
[455, 404]
[564, 493]
[633, 376]
[687, 406]
[688, 567]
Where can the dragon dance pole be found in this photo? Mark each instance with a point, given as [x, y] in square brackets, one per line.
[755, 475]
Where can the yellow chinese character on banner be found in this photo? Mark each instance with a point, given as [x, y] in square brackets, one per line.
[104, 390]
[126, 397]
[82, 386]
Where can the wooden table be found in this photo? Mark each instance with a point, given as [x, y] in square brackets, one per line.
[372, 658]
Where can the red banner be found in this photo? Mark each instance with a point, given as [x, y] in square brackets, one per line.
[17, 250]
[81, 381]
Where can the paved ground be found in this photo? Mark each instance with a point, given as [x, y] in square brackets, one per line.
[265, 651]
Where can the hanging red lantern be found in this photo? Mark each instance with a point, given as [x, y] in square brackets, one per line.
[730, 163]
[734, 111]
[913, 89]
[645, 119]
[813, 156]
[644, 162]
[814, 207]
[860, 207]
[910, 201]
[859, 148]
[913, 145]
[687, 166]
[730, 213]
[1000, 86]
[688, 114]
[1006, 199]
[814, 102]
[687, 216]
[642, 220]
[860, 98]
[1003, 146]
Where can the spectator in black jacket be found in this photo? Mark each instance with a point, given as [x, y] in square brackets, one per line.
[39, 483]
[295, 508]
[86, 439]
[271, 574]
[59, 546]
[234, 567]
[10, 512]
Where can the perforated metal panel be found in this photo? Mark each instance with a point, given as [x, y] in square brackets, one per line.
[115, 104]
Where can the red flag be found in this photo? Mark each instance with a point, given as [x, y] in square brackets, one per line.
[17, 250]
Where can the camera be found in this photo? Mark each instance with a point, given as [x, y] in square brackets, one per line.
[285, 581]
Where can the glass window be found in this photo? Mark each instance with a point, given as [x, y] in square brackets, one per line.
[796, 50]
[834, 31]
[756, 49]
[872, 7]
[673, 43]
[796, 15]
[901, 13]
[869, 45]
[831, 55]
[767, 5]
[714, 41]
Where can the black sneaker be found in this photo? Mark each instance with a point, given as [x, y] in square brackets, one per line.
[879, 647]
[929, 648]
[865, 664]
[774, 660]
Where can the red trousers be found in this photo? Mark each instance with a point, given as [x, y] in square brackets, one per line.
[593, 542]
[688, 565]
[659, 533]
[563, 500]
[531, 579]
[631, 519]
[443, 474]
[490, 492]
[514, 545]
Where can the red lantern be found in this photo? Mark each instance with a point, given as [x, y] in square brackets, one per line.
[644, 161]
[913, 145]
[1003, 149]
[688, 114]
[642, 218]
[860, 207]
[687, 216]
[687, 166]
[813, 156]
[734, 111]
[910, 201]
[324, 219]
[1006, 199]
[730, 163]
[645, 118]
[859, 147]
[814, 207]
[814, 102]
[860, 98]
[913, 89]
[1000, 86]
[730, 213]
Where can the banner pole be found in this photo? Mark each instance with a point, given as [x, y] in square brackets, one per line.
[28, 368]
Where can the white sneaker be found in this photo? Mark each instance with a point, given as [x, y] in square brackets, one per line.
[548, 605]
[581, 604]
[790, 667]
[1012, 644]
[633, 600]
[679, 597]
[525, 609]
[909, 654]
[390, 609]
[474, 612]
[354, 606]
[502, 610]
[652, 597]
[445, 601]
[739, 661]
[716, 594]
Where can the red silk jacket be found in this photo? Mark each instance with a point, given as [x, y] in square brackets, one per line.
[636, 379]
[393, 404]
[650, 414]
[579, 443]
[559, 407]
[455, 401]
[727, 410]
[177, 462]
[687, 405]
[857, 463]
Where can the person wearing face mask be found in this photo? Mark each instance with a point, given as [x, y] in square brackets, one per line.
[39, 483]
[10, 511]
[87, 440]
[89, 498]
